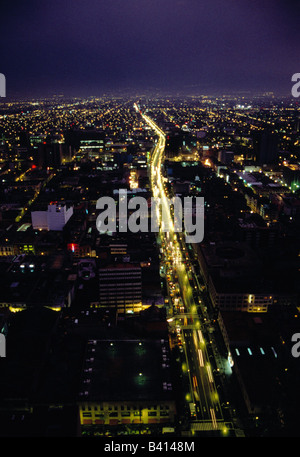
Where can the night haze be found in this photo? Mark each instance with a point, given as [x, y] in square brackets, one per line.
[85, 48]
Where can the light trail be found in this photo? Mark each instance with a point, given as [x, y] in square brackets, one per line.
[200, 336]
[210, 377]
[200, 355]
[213, 417]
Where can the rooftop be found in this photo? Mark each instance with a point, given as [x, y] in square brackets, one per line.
[126, 369]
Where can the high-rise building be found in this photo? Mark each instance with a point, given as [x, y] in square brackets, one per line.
[265, 148]
[55, 218]
[225, 157]
[120, 286]
[51, 153]
[89, 141]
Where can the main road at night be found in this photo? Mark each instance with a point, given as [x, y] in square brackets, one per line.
[184, 318]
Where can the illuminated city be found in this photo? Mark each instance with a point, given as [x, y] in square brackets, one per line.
[114, 332]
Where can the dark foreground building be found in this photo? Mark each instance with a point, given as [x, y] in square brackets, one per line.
[126, 383]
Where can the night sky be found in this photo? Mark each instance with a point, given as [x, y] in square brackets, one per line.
[87, 47]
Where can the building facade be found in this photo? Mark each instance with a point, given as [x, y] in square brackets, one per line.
[55, 218]
[120, 286]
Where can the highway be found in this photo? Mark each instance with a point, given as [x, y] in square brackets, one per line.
[186, 317]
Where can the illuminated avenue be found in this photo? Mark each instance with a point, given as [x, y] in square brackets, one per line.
[186, 314]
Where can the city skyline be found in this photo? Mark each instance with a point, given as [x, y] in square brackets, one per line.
[209, 315]
[188, 46]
